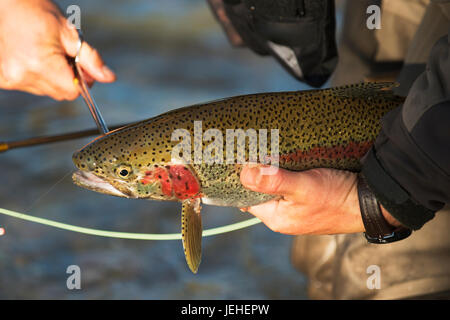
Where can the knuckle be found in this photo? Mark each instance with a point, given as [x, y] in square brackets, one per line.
[273, 183]
[95, 53]
[273, 227]
[57, 97]
[276, 227]
[276, 223]
[72, 95]
[92, 53]
[13, 73]
[34, 64]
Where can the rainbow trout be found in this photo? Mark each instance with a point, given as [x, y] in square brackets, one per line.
[331, 128]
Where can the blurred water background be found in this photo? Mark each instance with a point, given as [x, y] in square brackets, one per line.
[167, 54]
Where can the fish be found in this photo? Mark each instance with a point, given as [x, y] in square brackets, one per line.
[323, 128]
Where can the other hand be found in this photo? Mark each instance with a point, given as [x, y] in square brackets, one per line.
[35, 41]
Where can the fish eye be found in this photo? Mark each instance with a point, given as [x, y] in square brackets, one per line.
[123, 171]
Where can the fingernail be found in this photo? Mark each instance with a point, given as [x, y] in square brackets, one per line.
[107, 72]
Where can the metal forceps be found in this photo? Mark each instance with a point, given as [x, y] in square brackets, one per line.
[84, 90]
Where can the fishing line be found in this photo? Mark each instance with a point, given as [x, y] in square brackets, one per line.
[114, 234]
[50, 189]
[128, 235]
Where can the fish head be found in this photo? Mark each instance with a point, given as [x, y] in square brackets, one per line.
[127, 165]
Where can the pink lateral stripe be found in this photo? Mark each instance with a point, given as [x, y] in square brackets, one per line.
[354, 150]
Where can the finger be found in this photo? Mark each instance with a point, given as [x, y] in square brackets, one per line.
[35, 83]
[87, 77]
[282, 182]
[93, 64]
[264, 211]
[42, 88]
[61, 78]
[90, 59]
[276, 215]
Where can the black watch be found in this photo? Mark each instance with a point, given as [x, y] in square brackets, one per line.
[378, 230]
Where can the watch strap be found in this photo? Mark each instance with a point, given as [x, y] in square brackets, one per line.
[378, 230]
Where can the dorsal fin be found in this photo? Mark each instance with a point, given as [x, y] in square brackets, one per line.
[367, 90]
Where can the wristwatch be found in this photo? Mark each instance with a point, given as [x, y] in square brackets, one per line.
[378, 230]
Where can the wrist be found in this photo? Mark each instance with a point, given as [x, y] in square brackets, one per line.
[380, 226]
[351, 208]
[389, 218]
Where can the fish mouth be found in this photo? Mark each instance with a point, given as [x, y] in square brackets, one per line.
[92, 182]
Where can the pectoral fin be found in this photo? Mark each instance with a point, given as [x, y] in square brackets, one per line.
[191, 232]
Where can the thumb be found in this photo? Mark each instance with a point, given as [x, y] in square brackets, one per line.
[90, 60]
[281, 182]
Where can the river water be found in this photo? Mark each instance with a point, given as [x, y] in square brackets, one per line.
[167, 54]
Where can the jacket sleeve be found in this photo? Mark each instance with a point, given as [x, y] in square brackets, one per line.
[408, 167]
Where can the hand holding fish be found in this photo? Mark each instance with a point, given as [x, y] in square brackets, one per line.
[36, 40]
[317, 201]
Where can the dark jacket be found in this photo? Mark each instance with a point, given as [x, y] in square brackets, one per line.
[409, 166]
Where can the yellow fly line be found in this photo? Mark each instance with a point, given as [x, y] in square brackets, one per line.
[127, 235]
